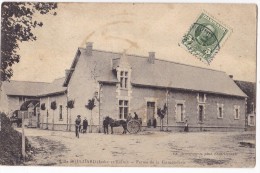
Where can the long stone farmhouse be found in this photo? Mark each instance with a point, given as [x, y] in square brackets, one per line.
[121, 84]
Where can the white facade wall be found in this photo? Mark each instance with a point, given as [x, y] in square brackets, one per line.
[54, 115]
[81, 88]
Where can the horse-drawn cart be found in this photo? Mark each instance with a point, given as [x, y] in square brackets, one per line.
[134, 125]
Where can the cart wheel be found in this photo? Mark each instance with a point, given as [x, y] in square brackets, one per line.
[133, 127]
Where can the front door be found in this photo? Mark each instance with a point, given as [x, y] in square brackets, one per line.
[150, 113]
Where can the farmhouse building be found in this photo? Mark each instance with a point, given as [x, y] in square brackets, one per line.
[24, 97]
[121, 84]
[124, 84]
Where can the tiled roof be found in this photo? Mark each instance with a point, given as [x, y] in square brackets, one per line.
[180, 76]
[23, 88]
[54, 87]
[28, 88]
[247, 87]
[162, 73]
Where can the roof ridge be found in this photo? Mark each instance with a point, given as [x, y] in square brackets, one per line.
[190, 65]
[140, 56]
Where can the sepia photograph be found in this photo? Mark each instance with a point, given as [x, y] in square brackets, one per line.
[128, 85]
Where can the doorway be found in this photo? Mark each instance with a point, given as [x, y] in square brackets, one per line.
[180, 112]
[151, 114]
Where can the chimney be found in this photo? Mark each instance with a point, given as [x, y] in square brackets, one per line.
[67, 71]
[231, 76]
[151, 57]
[89, 48]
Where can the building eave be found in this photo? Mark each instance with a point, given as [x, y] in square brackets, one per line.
[108, 82]
[21, 95]
[191, 90]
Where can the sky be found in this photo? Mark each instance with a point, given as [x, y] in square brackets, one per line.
[138, 29]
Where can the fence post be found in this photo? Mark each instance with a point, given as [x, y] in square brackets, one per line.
[23, 138]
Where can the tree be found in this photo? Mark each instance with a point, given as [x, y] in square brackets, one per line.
[70, 105]
[53, 107]
[161, 113]
[90, 106]
[17, 23]
[43, 107]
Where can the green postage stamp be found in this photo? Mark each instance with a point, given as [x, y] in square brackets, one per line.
[205, 37]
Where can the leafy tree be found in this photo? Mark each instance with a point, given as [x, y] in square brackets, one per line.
[17, 23]
[70, 104]
[90, 106]
[43, 107]
[161, 113]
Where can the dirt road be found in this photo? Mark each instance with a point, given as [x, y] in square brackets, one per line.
[167, 149]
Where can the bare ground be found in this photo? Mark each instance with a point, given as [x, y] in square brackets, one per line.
[164, 149]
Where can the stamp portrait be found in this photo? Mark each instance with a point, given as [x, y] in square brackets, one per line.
[204, 38]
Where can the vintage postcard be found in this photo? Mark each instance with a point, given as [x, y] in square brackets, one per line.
[128, 85]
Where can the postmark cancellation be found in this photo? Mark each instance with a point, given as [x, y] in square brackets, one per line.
[205, 37]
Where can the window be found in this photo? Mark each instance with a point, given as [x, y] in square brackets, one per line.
[60, 112]
[201, 113]
[124, 79]
[201, 98]
[220, 110]
[251, 120]
[237, 115]
[237, 112]
[21, 99]
[179, 111]
[123, 109]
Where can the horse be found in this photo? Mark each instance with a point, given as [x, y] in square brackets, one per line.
[113, 123]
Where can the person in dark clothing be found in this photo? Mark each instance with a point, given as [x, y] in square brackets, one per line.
[186, 128]
[154, 123]
[85, 125]
[77, 125]
[136, 116]
[149, 123]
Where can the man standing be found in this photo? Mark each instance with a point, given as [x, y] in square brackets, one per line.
[85, 125]
[186, 128]
[77, 125]
[136, 116]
